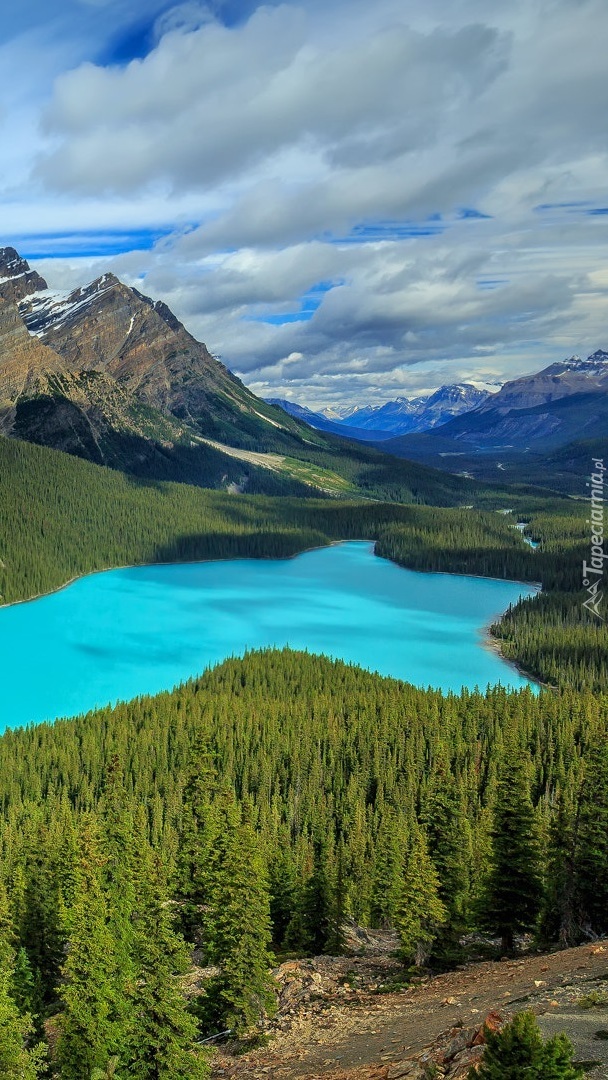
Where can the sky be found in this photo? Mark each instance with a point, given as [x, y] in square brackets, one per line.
[348, 202]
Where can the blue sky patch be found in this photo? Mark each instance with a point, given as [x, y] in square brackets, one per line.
[309, 302]
[90, 243]
[132, 44]
[373, 232]
[468, 213]
[576, 204]
[491, 283]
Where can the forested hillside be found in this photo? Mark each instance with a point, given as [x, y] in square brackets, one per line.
[62, 517]
[269, 800]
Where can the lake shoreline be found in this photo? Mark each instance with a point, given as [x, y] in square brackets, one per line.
[485, 638]
[264, 558]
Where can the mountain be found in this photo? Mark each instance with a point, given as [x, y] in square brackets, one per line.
[393, 416]
[524, 423]
[108, 327]
[109, 375]
[447, 402]
[321, 422]
[16, 278]
[112, 376]
[559, 380]
[372, 423]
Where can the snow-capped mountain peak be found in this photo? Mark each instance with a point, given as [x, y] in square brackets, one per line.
[401, 415]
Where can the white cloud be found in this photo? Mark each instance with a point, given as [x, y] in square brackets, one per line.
[264, 143]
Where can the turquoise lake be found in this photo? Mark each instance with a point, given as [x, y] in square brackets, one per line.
[117, 634]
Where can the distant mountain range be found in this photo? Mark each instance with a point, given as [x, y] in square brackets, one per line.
[538, 427]
[110, 375]
[322, 422]
[373, 423]
[541, 428]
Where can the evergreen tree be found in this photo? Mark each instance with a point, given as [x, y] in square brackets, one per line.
[91, 1024]
[164, 1032]
[420, 912]
[449, 841]
[388, 870]
[559, 917]
[198, 834]
[118, 849]
[25, 988]
[338, 910]
[282, 881]
[591, 854]
[237, 928]
[18, 1059]
[310, 928]
[518, 1051]
[40, 929]
[513, 891]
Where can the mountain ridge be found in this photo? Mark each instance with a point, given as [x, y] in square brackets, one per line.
[517, 432]
[397, 417]
[108, 374]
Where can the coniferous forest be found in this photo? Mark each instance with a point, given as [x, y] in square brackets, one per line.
[156, 856]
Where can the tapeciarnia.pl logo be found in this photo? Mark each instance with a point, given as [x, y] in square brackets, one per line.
[593, 571]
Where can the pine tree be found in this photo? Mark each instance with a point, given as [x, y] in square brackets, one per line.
[591, 850]
[449, 840]
[518, 1051]
[338, 910]
[513, 892]
[162, 1040]
[40, 929]
[25, 990]
[420, 912]
[388, 870]
[282, 879]
[559, 921]
[118, 850]
[18, 1060]
[197, 840]
[310, 928]
[91, 1027]
[237, 928]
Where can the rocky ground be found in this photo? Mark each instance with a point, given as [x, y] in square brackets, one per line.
[347, 1018]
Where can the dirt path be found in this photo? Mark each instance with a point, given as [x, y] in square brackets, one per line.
[361, 1034]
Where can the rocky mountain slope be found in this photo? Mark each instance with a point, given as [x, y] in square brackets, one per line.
[110, 375]
[16, 278]
[559, 380]
[108, 327]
